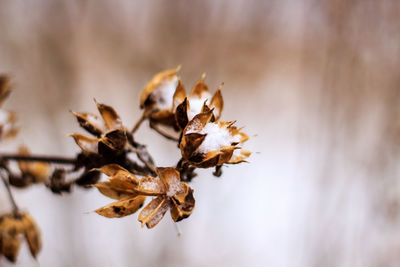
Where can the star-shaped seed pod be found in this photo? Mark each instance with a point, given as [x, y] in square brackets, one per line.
[199, 101]
[108, 131]
[34, 171]
[121, 186]
[161, 96]
[170, 193]
[206, 143]
[8, 118]
[12, 228]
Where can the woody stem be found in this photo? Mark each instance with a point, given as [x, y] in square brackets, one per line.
[163, 133]
[50, 159]
[10, 195]
[138, 123]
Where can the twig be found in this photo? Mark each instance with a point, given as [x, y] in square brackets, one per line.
[148, 162]
[52, 159]
[10, 195]
[163, 133]
[138, 123]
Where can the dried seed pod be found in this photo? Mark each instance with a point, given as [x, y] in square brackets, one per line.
[206, 144]
[109, 134]
[38, 171]
[12, 228]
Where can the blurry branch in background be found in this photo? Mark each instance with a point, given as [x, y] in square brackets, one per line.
[192, 121]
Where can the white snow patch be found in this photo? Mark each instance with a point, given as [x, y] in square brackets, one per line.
[163, 94]
[216, 138]
[196, 103]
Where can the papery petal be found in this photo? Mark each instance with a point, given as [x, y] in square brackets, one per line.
[211, 159]
[151, 186]
[179, 95]
[86, 143]
[198, 122]
[181, 114]
[200, 88]
[110, 117]
[226, 154]
[113, 190]
[240, 157]
[90, 122]
[152, 214]
[113, 142]
[190, 143]
[10, 245]
[5, 86]
[182, 204]
[217, 103]
[171, 179]
[122, 207]
[120, 177]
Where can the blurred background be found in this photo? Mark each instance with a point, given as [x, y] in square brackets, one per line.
[318, 82]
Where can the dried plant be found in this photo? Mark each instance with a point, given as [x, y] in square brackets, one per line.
[192, 121]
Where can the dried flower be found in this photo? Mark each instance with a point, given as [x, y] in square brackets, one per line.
[161, 96]
[170, 193]
[8, 119]
[206, 143]
[31, 170]
[12, 227]
[110, 134]
[130, 192]
[199, 101]
[121, 186]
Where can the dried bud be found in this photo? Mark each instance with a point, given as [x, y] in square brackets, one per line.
[161, 96]
[199, 101]
[206, 144]
[12, 228]
[130, 192]
[110, 135]
[37, 171]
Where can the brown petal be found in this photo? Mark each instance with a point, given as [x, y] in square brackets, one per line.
[152, 214]
[181, 115]
[121, 208]
[38, 170]
[235, 159]
[226, 154]
[151, 186]
[91, 123]
[145, 97]
[210, 160]
[112, 191]
[164, 116]
[32, 235]
[182, 204]
[5, 86]
[189, 144]
[113, 141]
[171, 179]
[200, 88]
[110, 117]
[10, 245]
[179, 95]
[198, 122]
[86, 143]
[120, 177]
[217, 103]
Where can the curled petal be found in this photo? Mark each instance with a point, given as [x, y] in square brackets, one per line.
[122, 207]
[113, 142]
[226, 154]
[90, 122]
[239, 157]
[152, 214]
[181, 114]
[211, 159]
[190, 142]
[198, 122]
[110, 117]
[179, 95]
[113, 190]
[86, 143]
[151, 186]
[182, 204]
[171, 179]
[217, 103]
[120, 177]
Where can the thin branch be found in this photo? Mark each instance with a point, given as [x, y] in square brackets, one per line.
[51, 159]
[138, 123]
[10, 195]
[148, 162]
[163, 133]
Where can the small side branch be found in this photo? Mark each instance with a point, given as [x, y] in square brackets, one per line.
[138, 123]
[163, 133]
[10, 195]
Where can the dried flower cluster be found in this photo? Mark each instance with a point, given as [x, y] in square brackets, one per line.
[191, 120]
